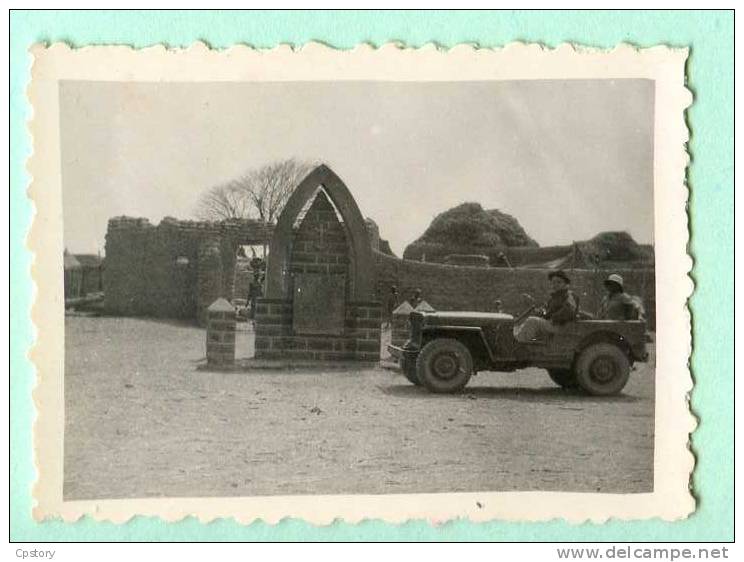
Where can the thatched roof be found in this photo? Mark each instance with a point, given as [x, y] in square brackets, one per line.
[469, 229]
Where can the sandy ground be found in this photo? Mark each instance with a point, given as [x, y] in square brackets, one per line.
[142, 421]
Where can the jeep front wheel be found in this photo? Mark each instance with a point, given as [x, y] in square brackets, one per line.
[444, 365]
[565, 378]
[602, 369]
[408, 366]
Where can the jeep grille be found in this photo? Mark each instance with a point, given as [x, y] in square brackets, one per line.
[417, 321]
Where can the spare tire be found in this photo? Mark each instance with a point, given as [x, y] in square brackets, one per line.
[602, 369]
[444, 365]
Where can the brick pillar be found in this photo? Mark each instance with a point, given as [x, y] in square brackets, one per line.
[401, 327]
[221, 334]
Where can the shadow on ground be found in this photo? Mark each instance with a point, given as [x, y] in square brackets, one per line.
[520, 394]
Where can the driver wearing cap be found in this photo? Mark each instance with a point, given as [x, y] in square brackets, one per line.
[560, 309]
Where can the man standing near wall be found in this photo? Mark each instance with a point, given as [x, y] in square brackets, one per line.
[560, 309]
[392, 303]
[417, 297]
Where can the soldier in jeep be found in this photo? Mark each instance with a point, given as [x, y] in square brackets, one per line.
[561, 308]
[446, 348]
[617, 304]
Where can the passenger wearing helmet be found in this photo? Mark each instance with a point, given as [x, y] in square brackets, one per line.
[617, 304]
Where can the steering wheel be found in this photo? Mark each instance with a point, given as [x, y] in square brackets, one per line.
[523, 315]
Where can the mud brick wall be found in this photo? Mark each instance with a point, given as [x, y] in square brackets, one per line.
[448, 287]
[154, 270]
[143, 275]
[319, 246]
[517, 255]
[209, 276]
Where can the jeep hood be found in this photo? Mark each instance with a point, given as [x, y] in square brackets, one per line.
[466, 318]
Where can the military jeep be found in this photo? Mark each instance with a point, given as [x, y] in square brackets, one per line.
[446, 348]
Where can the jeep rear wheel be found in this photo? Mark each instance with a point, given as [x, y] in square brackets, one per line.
[444, 365]
[564, 378]
[408, 366]
[602, 369]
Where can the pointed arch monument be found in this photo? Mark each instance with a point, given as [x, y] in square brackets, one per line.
[362, 261]
[319, 302]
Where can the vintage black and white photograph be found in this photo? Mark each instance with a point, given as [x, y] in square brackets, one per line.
[286, 288]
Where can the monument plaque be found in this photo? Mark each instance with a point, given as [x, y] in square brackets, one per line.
[319, 303]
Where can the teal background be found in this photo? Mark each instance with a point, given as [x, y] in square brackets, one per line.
[710, 36]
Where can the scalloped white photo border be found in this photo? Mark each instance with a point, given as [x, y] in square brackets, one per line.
[673, 460]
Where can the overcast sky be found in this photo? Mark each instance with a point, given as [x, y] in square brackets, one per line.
[568, 159]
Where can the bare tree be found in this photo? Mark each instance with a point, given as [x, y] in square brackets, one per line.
[269, 187]
[227, 201]
[260, 193]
